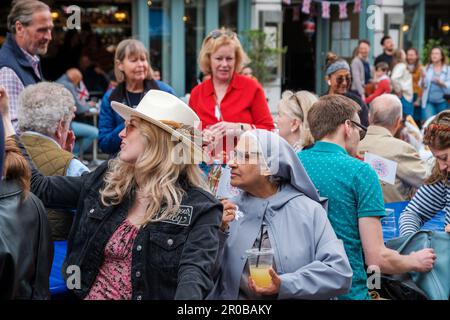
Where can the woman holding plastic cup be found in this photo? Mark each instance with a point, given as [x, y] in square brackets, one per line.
[284, 229]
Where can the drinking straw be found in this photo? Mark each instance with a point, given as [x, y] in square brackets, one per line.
[260, 243]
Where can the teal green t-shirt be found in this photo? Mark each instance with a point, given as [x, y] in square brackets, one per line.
[354, 191]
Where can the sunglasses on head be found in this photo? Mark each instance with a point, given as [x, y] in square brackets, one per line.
[362, 129]
[297, 101]
[218, 33]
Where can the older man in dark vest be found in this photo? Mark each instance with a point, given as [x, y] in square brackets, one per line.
[30, 26]
[45, 112]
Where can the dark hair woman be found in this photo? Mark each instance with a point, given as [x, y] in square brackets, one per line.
[339, 79]
[25, 248]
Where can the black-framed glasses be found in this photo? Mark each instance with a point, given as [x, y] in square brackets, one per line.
[218, 33]
[362, 129]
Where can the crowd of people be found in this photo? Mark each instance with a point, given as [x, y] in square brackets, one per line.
[145, 225]
[421, 89]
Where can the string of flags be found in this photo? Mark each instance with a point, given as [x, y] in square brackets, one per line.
[326, 7]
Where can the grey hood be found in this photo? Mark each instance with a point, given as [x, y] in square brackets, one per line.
[283, 163]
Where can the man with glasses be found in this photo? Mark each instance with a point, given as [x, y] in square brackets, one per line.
[354, 193]
[385, 117]
[30, 26]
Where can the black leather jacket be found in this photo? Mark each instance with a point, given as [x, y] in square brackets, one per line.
[171, 259]
[25, 245]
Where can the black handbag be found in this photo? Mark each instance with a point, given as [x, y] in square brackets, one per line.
[400, 287]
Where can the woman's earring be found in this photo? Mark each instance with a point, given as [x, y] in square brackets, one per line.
[329, 82]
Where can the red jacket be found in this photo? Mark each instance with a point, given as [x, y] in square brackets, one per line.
[244, 102]
[384, 86]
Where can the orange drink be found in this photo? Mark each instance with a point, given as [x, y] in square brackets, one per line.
[259, 263]
[261, 275]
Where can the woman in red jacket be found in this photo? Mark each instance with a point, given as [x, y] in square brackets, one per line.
[227, 103]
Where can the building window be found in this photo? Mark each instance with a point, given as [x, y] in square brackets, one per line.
[90, 45]
[344, 33]
[194, 27]
[160, 37]
[227, 14]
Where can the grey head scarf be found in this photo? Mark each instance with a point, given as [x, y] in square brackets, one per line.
[283, 163]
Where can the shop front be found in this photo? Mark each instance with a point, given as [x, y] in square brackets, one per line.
[309, 36]
[426, 20]
[174, 31]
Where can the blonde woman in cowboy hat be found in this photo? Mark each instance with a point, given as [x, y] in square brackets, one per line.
[145, 228]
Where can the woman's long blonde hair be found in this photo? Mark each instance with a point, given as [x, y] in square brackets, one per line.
[158, 177]
[437, 136]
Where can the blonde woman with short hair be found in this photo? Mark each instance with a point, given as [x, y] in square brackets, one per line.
[228, 103]
[292, 120]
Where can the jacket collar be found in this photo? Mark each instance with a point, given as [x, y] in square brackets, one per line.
[37, 134]
[235, 83]
[275, 202]
[322, 146]
[118, 94]
[378, 131]
[285, 193]
[18, 52]
[32, 59]
[9, 188]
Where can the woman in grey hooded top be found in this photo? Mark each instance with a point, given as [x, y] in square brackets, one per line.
[309, 261]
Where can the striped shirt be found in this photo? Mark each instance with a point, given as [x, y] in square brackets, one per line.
[428, 201]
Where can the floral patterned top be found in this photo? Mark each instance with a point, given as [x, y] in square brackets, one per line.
[113, 281]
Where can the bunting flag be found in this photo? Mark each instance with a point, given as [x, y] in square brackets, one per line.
[325, 10]
[83, 93]
[296, 14]
[306, 8]
[343, 10]
[357, 6]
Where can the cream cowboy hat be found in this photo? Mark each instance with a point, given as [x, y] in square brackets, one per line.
[158, 107]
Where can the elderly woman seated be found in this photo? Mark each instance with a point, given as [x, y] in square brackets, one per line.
[281, 211]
